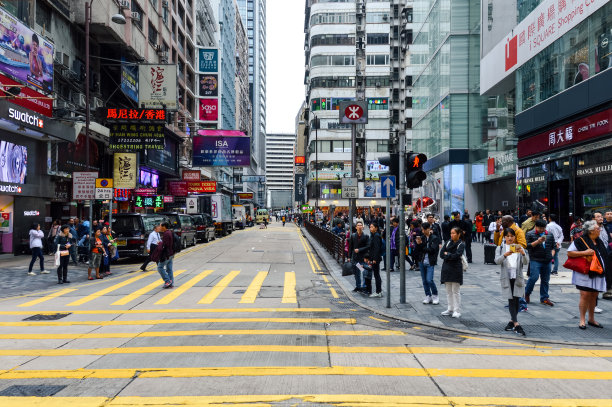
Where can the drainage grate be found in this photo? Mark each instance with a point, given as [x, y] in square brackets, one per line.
[47, 317]
[473, 324]
[31, 391]
[239, 291]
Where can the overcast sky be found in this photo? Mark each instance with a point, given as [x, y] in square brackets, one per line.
[285, 64]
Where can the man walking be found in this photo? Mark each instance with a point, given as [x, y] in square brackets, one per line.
[541, 247]
[73, 224]
[152, 242]
[359, 244]
[529, 224]
[435, 227]
[164, 255]
[554, 229]
[466, 226]
[446, 229]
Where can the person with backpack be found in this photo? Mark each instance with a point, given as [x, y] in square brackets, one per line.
[164, 254]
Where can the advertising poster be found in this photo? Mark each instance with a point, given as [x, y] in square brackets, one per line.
[28, 98]
[125, 170]
[209, 110]
[208, 60]
[129, 80]
[220, 151]
[13, 162]
[209, 85]
[136, 137]
[300, 187]
[25, 55]
[157, 86]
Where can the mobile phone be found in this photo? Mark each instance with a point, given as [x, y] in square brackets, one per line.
[513, 248]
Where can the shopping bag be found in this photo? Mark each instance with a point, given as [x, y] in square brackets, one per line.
[57, 256]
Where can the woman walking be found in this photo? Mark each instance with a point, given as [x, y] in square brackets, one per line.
[36, 245]
[452, 271]
[591, 283]
[63, 239]
[511, 256]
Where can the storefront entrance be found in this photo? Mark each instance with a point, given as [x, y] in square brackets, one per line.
[560, 196]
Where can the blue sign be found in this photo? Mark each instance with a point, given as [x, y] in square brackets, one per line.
[221, 151]
[387, 186]
[129, 80]
[208, 60]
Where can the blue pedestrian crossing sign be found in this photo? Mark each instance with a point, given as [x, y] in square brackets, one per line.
[387, 186]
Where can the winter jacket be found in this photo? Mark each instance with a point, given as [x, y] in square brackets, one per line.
[36, 237]
[452, 269]
[504, 275]
[376, 248]
[429, 247]
[360, 243]
[62, 240]
[541, 252]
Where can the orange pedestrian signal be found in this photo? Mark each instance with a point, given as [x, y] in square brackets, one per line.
[414, 171]
[416, 162]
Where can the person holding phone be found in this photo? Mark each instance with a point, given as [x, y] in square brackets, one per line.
[511, 257]
[541, 246]
[64, 240]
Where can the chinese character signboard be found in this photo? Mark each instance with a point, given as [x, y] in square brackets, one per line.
[123, 194]
[84, 185]
[104, 194]
[183, 188]
[208, 60]
[221, 151]
[134, 116]
[209, 110]
[125, 170]
[25, 56]
[156, 202]
[191, 175]
[209, 85]
[157, 86]
[136, 137]
[129, 80]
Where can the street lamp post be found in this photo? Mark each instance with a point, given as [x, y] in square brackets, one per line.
[317, 190]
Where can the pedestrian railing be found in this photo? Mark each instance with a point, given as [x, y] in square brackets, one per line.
[332, 243]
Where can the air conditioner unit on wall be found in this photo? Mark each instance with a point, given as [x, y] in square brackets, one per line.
[96, 103]
[124, 4]
[79, 99]
[135, 15]
[165, 3]
[59, 104]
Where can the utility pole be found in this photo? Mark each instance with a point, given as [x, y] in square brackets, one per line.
[87, 109]
[402, 221]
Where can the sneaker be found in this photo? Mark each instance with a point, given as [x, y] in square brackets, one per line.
[519, 330]
[435, 300]
[167, 284]
[427, 299]
[456, 314]
[376, 295]
[45, 272]
[548, 302]
[447, 312]
[509, 327]
[356, 289]
[527, 298]
[555, 274]
[598, 310]
[31, 273]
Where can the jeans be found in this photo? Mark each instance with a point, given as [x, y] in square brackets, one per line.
[73, 252]
[164, 269]
[427, 273]
[538, 269]
[37, 252]
[555, 267]
[453, 296]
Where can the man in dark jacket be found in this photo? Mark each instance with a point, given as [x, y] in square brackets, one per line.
[466, 226]
[446, 228]
[359, 243]
[375, 254]
[541, 247]
[428, 246]
[435, 228]
[164, 255]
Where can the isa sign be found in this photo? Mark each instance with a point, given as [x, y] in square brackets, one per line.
[208, 60]
[221, 151]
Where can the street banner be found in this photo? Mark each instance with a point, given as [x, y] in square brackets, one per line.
[25, 55]
[300, 187]
[125, 170]
[208, 60]
[157, 85]
[209, 85]
[129, 80]
[219, 151]
[209, 110]
[84, 185]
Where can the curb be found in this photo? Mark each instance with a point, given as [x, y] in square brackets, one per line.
[335, 272]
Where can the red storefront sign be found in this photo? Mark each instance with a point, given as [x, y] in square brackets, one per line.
[591, 127]
[245, 195]
[183, 188]
[189, 175]
[43, 106]
[300, 160]
[168, 199]
[133, 115]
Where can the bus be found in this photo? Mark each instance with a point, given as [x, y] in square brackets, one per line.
[261, 215]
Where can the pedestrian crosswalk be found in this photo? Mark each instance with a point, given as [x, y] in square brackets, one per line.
[204, 287]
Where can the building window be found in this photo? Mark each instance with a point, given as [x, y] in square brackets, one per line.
[152, 34]
[377, 59]
[377, 18]
[137, 21]
[378, 104]
[378, 39]
[337, 60]
[43, 15]
[332, 39]
[377, 146]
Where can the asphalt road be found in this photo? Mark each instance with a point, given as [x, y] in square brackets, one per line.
[255, 320]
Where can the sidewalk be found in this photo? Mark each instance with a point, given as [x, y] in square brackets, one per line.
[484, 310]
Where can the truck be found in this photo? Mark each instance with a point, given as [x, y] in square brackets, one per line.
[219, 207]
[239, 212]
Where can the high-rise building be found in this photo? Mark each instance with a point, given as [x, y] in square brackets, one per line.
[347, 58]
[279, 170]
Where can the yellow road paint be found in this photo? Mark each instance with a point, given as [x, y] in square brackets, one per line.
[333, 291]
[218, 288]
[504, 342]
[251, 293]
[180, 321]
[378, 319]
[180, 290]
[172, 311]
[327, 399]
[144, 290]
[48, 297]
[208, 332]
[107, 290]
[307, 349]
[325, 279]
[252, 371]
[289, 294]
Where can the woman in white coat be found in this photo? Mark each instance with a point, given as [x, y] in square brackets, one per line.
[511, 256]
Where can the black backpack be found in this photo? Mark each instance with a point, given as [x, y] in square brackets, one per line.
[176, 243]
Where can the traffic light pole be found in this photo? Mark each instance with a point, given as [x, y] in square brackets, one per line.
[402, 221]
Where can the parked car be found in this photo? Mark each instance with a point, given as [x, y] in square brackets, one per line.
[205, 227]
[131, 232]
[183, 226]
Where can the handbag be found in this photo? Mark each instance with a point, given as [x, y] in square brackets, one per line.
[347, 269]
[464, 263]
[578, 264]
[57, 256]
[595, 265]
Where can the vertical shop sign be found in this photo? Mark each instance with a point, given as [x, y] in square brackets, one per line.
[125, 170]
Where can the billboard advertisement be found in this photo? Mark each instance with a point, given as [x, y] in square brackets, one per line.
[208, 60]
[129, 80]
[125, 170]
[157, 85]
[13, 163]
[300, 187]
[221, 151]
[28, 98]
[209, 110]
[209, 85]
[25, 56]
[183, 188]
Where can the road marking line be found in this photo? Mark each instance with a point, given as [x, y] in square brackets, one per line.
[171, 311]
[325, 279]
[351, 321]
[311, 256]
[504, 342]
[333, 291]
[289, 293]
[301, 371]
[218, 288]
[327, 399]
[309, 250]
[378, 319]
[107, 290]
[48, 297]
[144, 290]
[180, 290]
[251, 293]
[211, 332]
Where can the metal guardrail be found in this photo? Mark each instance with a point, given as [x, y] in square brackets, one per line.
[332, 243]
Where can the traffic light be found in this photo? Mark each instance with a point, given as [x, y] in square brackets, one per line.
[414, 169]
[391, 161]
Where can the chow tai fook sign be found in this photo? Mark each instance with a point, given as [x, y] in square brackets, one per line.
[219, 148]
[184, 188]
[157, 85]
[543, 26]
[591, 127]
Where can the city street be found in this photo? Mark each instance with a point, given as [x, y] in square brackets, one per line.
[255, 319]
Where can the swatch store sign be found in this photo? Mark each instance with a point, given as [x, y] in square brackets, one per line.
[32, 120]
